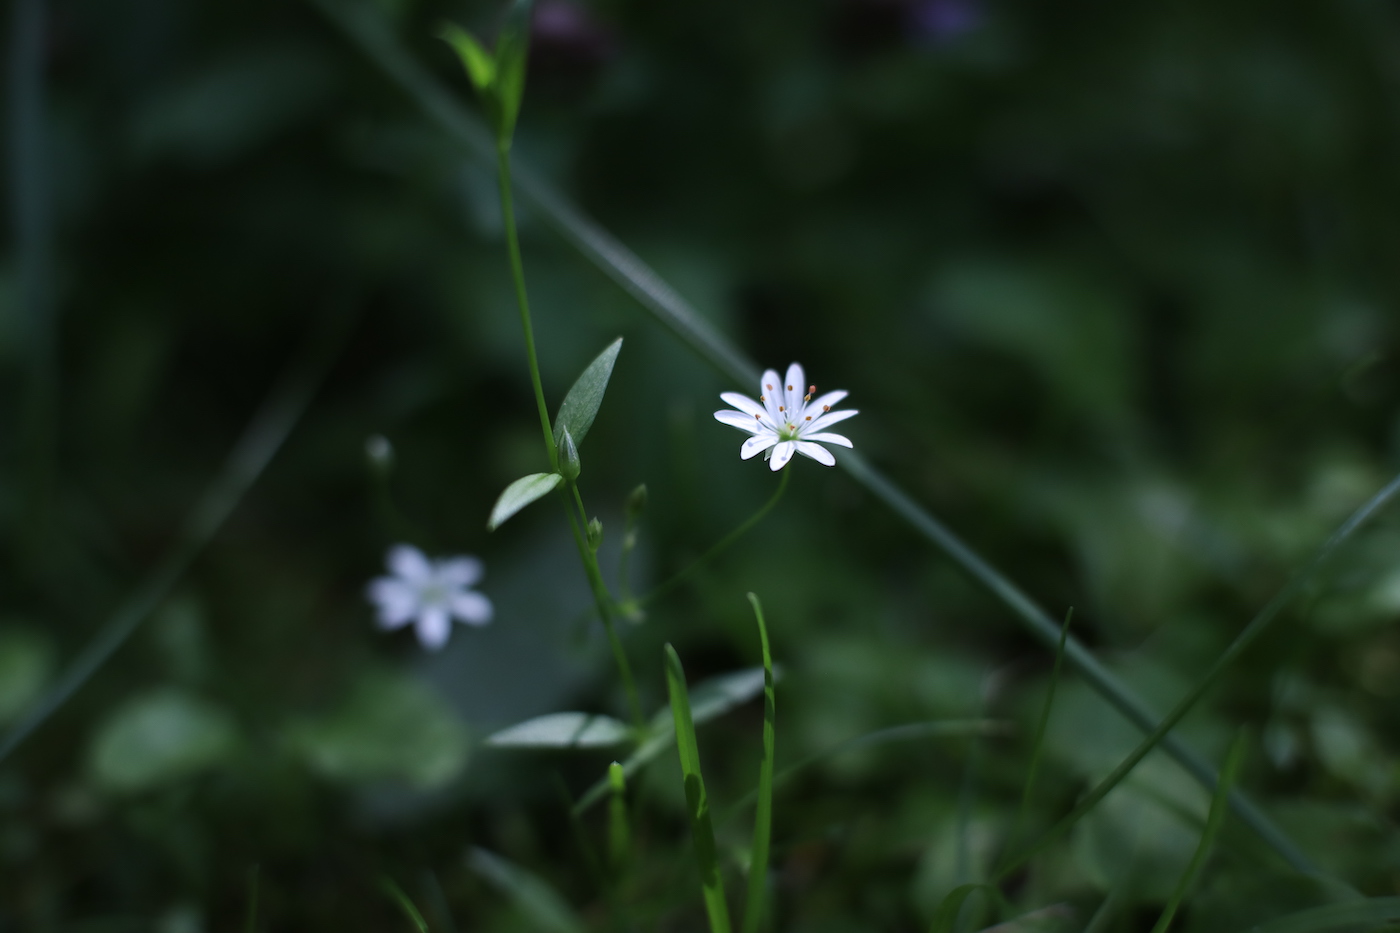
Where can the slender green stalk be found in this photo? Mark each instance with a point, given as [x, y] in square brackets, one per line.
[1038, 745]
[517, 272]
[717, 548]
[619, 833]
[250, 923]
[763, 815]
[697, 804]
[1219, 806]
[602, 601]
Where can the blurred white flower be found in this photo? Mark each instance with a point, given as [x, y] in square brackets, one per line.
[428, 593]
[786, 419]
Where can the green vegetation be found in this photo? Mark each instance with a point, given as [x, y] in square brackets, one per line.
[288, 285]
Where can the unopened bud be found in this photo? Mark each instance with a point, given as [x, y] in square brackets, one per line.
[569, 464]
[595, 534]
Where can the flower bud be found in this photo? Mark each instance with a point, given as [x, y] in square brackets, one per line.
[595, 534]
[569, 464]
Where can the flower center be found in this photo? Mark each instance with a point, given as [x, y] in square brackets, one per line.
[433, 594]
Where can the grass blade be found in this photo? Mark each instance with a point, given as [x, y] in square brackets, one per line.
[541, 904]
[250, 456]
[945, 917]
[701, 830]
[1038, 744]
[397, 895]
[1214, 820]
[763, 815]
[619, 833]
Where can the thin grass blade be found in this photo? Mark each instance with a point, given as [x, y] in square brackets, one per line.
[1038, 744]
[1350, 915]
[538, 901]
[701, 830]
[763, 814]
[397, 895]
[1219, 805]
[945, 917]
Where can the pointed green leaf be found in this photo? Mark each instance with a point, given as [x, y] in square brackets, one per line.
[520, 494]
[511, 51]
[581, 404]
[479, 63]
[563, 730]
[544, 907]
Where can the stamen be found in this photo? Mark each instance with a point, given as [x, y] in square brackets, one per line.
[758, 417]
[811, 390]
[763, 398]
[789, 388]
[769, 387]
[782, 408]
[826, 408]
[809, 417]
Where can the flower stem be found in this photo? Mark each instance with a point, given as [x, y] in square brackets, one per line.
[603, 600]
[517, 271]
[723, 543]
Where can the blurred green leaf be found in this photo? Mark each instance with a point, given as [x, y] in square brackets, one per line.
[564, 730]
[586, 396]
[545, 907]
[512, 48]
[391, 727]
[26, 663]
[520, 494]
[158, 737]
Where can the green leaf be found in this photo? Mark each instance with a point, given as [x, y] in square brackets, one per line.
[391, 727]
[520, 494]
[946, 916]
[479, 63]
[563, 730]
[541, 904]
[581, 404]
[26, 663]
[511, 51]
[159, 737]
[569, 464]
[397, 895]
[702, 831]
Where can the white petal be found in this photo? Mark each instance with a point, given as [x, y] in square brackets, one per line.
[460, 571]
[795, 388]
[472, 608]
[772, 395]
[822, 422]
[825, 438]
[408, 562]
[826, 398]
[781, 455]
[737, 419]
[433, 627]
[396, 600]
[742, 402]
[756, 445]
[817, 452]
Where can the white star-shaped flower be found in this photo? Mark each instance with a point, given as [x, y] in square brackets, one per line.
[787, 419]
[430, 594]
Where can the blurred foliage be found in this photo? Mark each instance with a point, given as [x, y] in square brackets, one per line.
[1113, 286]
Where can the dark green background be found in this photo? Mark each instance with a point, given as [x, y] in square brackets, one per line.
[1114, 288]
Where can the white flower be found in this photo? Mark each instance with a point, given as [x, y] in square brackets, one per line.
[429, 594]
[787, 419]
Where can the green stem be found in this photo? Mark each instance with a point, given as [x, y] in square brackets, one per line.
[603, 601]
[723, 543]
[517, 272]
